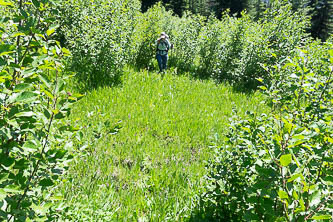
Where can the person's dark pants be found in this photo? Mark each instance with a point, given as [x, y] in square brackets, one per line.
[162, 61]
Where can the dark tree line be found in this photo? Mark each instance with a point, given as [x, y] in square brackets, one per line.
[322, 17]
[320, 10]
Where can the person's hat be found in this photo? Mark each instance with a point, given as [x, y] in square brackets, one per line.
[164, 35]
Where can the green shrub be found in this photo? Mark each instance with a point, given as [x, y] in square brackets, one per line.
[185, 37]
[33, 106]
[244, 44]
[278, 166]
[148, 27]
[99, 34]
[208, 44]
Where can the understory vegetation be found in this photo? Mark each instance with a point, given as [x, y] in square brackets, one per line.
[238, 129]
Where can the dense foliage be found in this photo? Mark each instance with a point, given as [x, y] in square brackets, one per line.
[228, 49]
[33, 133]
[321, 11]
[99, 35]
[278, 166]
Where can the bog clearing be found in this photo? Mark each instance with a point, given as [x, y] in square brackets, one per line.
[147, 143]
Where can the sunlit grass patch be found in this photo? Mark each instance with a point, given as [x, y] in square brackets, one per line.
[148, 142]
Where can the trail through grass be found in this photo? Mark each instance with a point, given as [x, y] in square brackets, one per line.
[147, 142]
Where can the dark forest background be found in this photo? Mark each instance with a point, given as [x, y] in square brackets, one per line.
[320, 10]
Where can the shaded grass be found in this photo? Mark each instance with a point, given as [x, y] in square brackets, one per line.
[145, 146]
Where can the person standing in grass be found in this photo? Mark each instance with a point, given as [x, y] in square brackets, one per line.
[162, 47]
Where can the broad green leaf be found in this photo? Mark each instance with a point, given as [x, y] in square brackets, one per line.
[49, 94]
[288, 65]
[18, 34]
[78, 95]
[295, 142]
[47, 113]
[328, 180]
[3, 177]
[46, 182]
[330, 51]
[263, 88]
[55, 111]
[24, 13]
[328, 139]
[69, 128]
[41, 209]
[12, 189]
[6, 161]
[22, 86]
[294, 177]
[45, 80]
[3, 194]
[30, 145]
[65, 51]
[315, 198]
[60, 86]
[6, 3]
[285, 160]
[302, 206]
[26, 96]
[298, 137]
[295, 195]
[56, 198]
[295, 158]
[6, 53]
[28, 72]
[321, 217]
[288, 125]
[25, 114]
[6, 47]
[283, 194]
[50, 31]
[36, 3]
[260, 79]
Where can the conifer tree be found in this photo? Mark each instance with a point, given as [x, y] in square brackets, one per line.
[177, 6]
[235, 6]
[322, 18]
[145, 4]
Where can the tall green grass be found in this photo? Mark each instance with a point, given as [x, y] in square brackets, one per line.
[148, 141]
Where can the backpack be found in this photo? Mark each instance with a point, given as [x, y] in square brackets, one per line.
[162, 46]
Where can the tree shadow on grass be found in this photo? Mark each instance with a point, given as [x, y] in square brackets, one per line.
[209, 212]
[247, 86]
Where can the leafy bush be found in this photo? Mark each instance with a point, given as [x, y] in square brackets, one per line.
[99, 34]
[278, 166]
[33, 106]
[233, 49]
[148, 28]
[183, 33]
[185, 37]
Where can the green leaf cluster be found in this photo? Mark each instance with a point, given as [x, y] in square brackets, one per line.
[33, 105]
[231, 49]
[278, 166]
[99, 35]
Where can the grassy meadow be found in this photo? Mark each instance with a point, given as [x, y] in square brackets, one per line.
[145, 145]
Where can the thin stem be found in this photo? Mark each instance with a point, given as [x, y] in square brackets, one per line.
[18, 47]
[326, 85]
[300, 89]
[318, 208]
[42, 154]
[37, 164]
